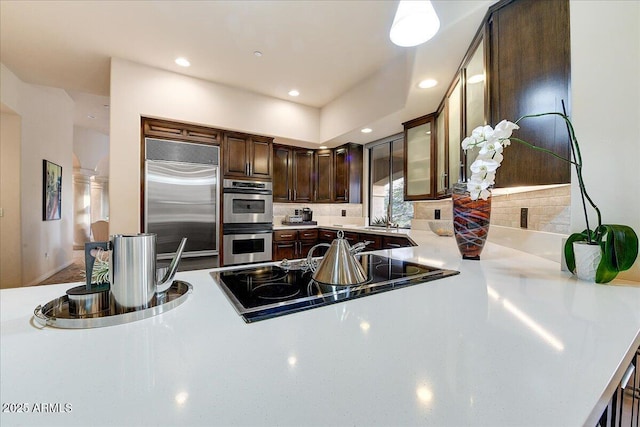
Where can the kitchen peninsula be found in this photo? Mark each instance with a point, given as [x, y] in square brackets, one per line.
[511, 340]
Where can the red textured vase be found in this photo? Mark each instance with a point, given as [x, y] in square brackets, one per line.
[470, 221]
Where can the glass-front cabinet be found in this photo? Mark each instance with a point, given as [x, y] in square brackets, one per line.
[454, 127]
[420, 158]
[474, 96]
[434, 160]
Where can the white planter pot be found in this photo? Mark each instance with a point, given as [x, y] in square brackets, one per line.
[587, 260]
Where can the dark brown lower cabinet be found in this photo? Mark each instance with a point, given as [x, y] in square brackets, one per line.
[293, 244]
[391, 242]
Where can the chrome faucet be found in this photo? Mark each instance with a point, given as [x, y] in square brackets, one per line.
[390, 224]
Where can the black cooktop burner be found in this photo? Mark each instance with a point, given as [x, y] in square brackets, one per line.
[259, 293]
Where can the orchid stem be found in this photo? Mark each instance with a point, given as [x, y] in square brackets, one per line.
[575, 149]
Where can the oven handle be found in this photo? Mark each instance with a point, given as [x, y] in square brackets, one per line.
[257, 228]
[246, 191]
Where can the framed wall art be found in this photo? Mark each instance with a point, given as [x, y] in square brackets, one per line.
[51, 191]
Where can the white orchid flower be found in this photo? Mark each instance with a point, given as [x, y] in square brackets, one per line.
[504, 129]
[490, 178]
[478, 188]
[484, 165]
[492, 146]
[468, 142]
[491, 143]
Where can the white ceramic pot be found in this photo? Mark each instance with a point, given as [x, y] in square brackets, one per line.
[587, 260]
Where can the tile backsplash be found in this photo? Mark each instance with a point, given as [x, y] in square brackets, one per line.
[323, 213]
[549, 209]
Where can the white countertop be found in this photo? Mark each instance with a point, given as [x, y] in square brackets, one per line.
[509, 341]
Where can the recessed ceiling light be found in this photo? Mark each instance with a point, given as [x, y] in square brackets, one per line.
[293, 92]
[425, 84]
[366, 130]
[257, 53]
[476, 78]
[415, 23]
[322, 147]
[183, 62]
[91, 116]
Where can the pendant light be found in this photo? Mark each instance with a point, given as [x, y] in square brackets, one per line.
[415, 23]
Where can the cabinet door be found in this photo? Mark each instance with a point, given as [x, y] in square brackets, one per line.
[454, 133]
[442, 173]
[347, 161]
[324, 176]
[419, 158]
[341, 174]
[282, 250]
[236, 156]
[305, 246]
[303, 175]
[282, 167]
[260, 164]
[526, 78]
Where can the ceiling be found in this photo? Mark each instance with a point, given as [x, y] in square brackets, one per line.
[321, 48]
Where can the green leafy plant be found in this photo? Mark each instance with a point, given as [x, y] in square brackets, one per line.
[618, 243]
[100, 273]
[381, 221]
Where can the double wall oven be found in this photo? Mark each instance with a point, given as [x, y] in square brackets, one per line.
[247, 221]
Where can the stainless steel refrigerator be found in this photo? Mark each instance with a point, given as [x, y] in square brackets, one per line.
[181, 196]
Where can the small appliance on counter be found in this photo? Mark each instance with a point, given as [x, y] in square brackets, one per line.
[137, 287]
[300, 217]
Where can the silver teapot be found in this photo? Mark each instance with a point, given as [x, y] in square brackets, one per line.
[339, 266]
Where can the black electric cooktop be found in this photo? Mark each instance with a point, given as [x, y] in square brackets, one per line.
[259, 293]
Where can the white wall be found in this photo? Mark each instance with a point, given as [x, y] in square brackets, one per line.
[605, 91]
[137, 90]
[90, 147]
[10, 237]
[46, 133]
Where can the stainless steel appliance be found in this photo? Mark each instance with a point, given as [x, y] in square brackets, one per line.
[307, 215]
[133, 278]
[268, 291]
[181, 196]
[248, 221]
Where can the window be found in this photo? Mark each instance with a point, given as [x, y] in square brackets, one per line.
[386, 184]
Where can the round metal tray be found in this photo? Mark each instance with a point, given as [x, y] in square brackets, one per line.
[56, 312]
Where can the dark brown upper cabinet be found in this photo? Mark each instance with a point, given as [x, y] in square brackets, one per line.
[518, 64]
[324, 178]
[166, 129]
[528, 70]
[347, 161]
[420, 158]
[247, 156]
[293, 174]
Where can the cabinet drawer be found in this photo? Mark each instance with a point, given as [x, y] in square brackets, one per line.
[311, 234]
[375, 239]
[396, 242]
[327, 236]
[285, 235]
[351, 237]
